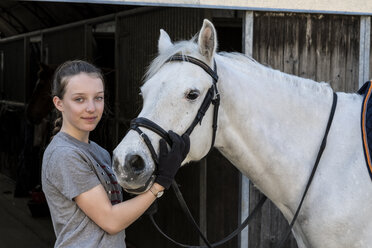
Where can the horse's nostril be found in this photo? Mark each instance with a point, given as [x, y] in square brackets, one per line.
[135, 162]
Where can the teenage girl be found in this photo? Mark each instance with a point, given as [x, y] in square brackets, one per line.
[84, 198]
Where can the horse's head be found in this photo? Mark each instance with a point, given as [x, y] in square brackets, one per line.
[41, 104]
[172, 95]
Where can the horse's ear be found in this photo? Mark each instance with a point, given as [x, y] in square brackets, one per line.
[164, 42]
[207, 40]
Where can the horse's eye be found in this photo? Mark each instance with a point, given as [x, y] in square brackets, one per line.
[192, 94]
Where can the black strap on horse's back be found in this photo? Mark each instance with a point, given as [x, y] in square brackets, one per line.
[321, 149]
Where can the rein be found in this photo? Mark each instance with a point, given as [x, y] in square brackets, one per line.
[191, 219]
[213, 97]
[321, 149]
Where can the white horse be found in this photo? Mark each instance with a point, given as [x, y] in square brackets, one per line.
[270, 126]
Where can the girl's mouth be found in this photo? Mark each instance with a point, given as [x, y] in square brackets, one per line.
[89, 119]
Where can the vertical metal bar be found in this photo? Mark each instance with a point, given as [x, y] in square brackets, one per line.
[248, 33]
[46, 54]
[85, 45]
[1, 74]
[26, 68]
[364, 49]
[244, 181]
[116, 101]
[42, 48]
[88, 42]
[203, 199]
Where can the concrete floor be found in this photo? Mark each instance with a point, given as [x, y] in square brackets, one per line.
[18, 229]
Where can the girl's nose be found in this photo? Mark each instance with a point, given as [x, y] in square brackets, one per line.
[91, 107]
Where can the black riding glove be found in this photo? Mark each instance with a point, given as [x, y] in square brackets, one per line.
[170, 161]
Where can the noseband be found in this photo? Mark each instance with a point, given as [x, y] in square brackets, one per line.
[212, 96]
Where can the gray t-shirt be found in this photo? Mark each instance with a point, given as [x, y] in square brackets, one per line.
[71, 167]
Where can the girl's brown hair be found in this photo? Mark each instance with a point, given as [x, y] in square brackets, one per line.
[61, 78]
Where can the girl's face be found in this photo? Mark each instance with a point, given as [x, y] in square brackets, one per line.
[81, 106]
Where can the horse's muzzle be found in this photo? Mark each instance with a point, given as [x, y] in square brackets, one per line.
[133, 175]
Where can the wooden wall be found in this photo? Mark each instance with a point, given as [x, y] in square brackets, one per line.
[320, 47]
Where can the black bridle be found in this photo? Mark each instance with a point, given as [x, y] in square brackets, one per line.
[213, 97]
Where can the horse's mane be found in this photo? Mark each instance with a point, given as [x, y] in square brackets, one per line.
[239, 62]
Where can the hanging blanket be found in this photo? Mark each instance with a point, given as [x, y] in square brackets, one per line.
[366, 123]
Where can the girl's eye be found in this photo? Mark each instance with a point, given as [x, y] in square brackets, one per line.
[99, 98]
[79, 99]
[192, 94]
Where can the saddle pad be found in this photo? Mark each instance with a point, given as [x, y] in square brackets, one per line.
[366, 123]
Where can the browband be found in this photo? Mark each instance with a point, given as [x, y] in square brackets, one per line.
[201, 64]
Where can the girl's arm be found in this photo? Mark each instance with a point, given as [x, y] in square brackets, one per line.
[114, 218]
[97, 206]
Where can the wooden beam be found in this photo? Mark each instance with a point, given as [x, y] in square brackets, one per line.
[244, 208]
[348, 7]
[1, 74]
[364, 49]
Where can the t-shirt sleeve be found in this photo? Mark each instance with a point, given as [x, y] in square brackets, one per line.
[70, 172]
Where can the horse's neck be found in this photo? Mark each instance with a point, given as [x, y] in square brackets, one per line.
[271, 129]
